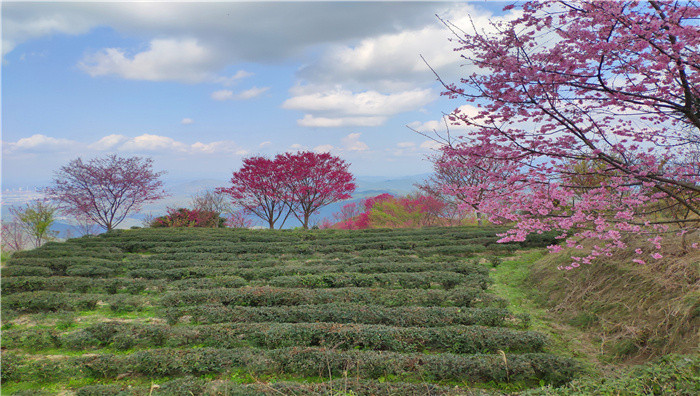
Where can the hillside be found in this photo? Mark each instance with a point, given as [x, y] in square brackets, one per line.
[171, 311]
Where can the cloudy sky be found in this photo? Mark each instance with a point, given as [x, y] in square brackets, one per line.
[199, 86]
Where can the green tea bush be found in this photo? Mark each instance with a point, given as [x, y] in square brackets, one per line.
[28, 270]
[271, 296]
[312, 361]
[103, 390]
[43, 301]
[405, 280]
[348, 313]
[91, 271]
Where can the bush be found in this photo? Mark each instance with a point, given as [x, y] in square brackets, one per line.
[28, 270]
[42, 301]
[189, 218]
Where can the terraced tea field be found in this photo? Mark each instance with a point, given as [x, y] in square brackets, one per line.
[220, 311]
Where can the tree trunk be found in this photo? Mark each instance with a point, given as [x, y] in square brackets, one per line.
[479, 220]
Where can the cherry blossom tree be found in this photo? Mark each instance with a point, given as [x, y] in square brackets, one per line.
[312, 181]
[12, 236]
[105, 190]
[470, 175]
[607, 93]
[259, 188]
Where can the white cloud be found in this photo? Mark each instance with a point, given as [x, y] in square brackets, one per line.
[223, 94]
[368, 103]
[227, 81]
[252, 93]
[298, 147]
[324, 148]
[187, 121]
[184, 60]
[246, 32]
[38, 143]
[226, 94]
[440, 126]
[326, 122]
[391, 62]
[217, 147]
[108, 142]
[162, 144]
[265, 144]
[352, 142]
[148, 142]
[430, 145]
[406, 144]
[27, 26]
[341, 107]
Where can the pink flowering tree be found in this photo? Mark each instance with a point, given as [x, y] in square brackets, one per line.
[312, 181]
[258, 188]
[105, 190]
[607, 93]
[473, 176]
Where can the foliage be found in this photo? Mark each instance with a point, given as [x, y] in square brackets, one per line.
[592, 110]
[105, 190]
[312, 181]
[35, 220]
[183, 217]
[387, 211]
[673, 375]
[298, 184]
[238, 219]
[257, 188]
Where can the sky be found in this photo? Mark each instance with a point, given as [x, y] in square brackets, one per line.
[199, 86]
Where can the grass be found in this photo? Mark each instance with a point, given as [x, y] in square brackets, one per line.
[597, 314]
[512, 281]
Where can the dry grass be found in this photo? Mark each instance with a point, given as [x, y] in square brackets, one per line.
[636, 312]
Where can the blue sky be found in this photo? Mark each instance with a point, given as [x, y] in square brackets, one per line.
[199, 86]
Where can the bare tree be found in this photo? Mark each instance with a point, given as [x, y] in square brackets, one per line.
[13, 238]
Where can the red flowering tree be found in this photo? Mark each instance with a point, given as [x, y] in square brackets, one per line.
[105, 190]
[312, 181]
[259, 188]
[614, 85]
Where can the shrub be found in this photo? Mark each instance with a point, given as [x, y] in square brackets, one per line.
[189, 218]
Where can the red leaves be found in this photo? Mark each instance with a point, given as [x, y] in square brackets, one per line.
[297, 184]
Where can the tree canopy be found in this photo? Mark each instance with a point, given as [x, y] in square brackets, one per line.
[592, 108]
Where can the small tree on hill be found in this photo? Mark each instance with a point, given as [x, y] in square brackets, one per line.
[13, 237]
[105, 190]
[35, 219]
[313, 181]
[291, 184]
[258, 188]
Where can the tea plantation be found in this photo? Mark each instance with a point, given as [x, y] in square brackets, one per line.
[231, 312]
